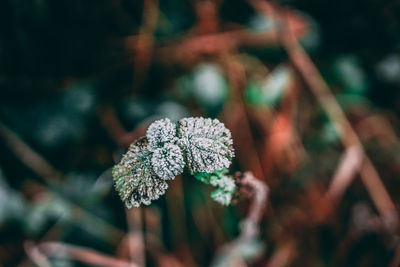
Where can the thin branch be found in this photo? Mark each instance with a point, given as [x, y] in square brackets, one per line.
[259, 202]
[283, 255]
[396, 259]
[135, 237]
[35, 255]
[349, 165]
[108, 118]
[250, 226]
[29, 157]
[237, 118]
[145, 42]
[81, 254]
[176, 211]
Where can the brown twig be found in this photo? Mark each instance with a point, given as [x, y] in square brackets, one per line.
[236, 117]
[29, 157]
[283, 149]
[349, 165]
[143, 48]
[257, 207]
[116, 130]
[176, 211]
[250, 228]
[212, 43]
[283, 255]
[396, 259]
[135, 237]
[82, 254]
[377, 126]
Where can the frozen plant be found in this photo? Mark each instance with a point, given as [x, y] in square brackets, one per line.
[224, 182]
[207, 144]
[135, 179]
[202, 145]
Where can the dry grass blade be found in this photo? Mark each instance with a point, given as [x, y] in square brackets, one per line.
[349, 165]
[143, 48]
[250, 225]
[284, 255]
[115, 129]
[28, 156]
[238, 119]
[81, 254]
[35, 255]
[135, 237]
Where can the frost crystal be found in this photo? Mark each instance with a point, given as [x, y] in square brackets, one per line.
[168, 161]
[207, 144]
[223, 181]
[161, 132]
[222, 197]
[134, 177]
[226, 188]
[150, 188]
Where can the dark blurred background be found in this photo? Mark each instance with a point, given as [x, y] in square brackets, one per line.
[81, 80]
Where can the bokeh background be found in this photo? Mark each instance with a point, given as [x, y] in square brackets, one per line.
[309, 89]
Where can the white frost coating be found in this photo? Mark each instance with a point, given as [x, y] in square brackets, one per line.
[222, 197]
[168, 161]
[161, 132]
[223, 181]
[207, 144]
[204, 145]
[150, 188]
[135, 180]
[226, 188]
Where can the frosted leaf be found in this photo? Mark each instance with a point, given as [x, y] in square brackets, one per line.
[135, 180]
[223, 181]
[150, 188]
[168, 161]
[161, 132]
[222, 197]
[207, 144]
[226, 188]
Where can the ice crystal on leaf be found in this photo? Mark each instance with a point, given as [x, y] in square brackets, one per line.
[161, 132]
[224, 182]
[134, 177]
[207, 144]
[226, 188]
[222, 197]
[168, 161]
